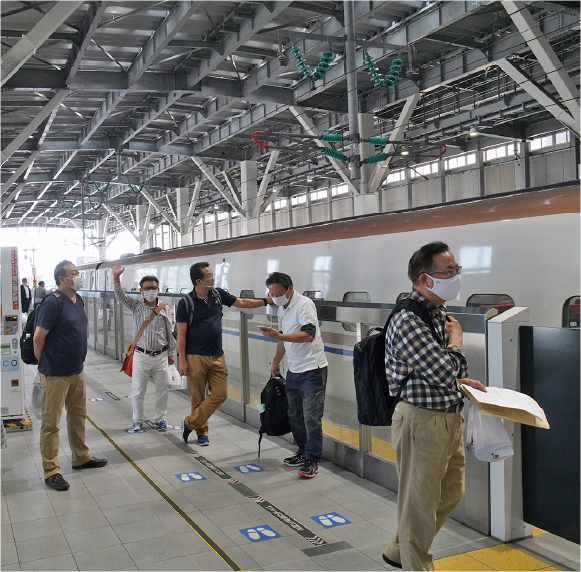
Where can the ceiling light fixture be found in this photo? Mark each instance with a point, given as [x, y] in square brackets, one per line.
[309, 179]
[473, 132]
[405, 152]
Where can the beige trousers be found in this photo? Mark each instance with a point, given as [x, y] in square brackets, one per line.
[430, 467]
[59, 391]
[210, 372]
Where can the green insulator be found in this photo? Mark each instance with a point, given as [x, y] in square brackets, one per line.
[300, 63]
[297, 56]
[375, 158]
[377, 141]
[368, 59]
[334, 154]
[327, 60]
[392, 77]
[397, 62]
[388, 82]
[396, 69]
[306, 74]
[323, 65]
[295, 49]
[378, 82]
[321, 70]
[304, 69]
[317, 76]
[334, 137]
[328, 54]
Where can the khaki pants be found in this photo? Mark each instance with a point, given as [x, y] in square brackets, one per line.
[430, 467]
[210, 372]
[59, 391]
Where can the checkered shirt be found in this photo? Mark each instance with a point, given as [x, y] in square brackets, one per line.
[433, 368]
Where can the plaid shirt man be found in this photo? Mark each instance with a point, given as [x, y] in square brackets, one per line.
[432, 365]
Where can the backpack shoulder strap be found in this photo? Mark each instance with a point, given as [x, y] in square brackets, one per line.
[189, 302]
[421, 311]
[217, 296]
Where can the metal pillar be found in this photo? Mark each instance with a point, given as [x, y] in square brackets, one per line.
[101, 238]
[142, 224]
[351, 70]
[365, 203]
[248, 176]
[182, 195]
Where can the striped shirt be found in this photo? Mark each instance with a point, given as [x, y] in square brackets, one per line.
[432, 365]
[158, 333]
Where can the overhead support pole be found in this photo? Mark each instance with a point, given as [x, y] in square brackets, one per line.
[256, 208]
[401, 125]
[309, 126]
[142, 223]
[156, 206]
[152, 230]
[352, 99]
[540, 94]
[194, 200]
[218, 185]
[120, 221]
[12, 195]
[28, 163]
[198, 217]
[540, 46]
[249, 184]
[17, 142]
[270, 199]
[182, 204]
[26, 47]
[233, 188]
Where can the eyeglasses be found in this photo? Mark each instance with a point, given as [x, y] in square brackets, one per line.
[150, 288]
[210, 276]
[448, 273]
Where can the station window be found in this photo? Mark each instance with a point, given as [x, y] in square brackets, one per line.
[396, 176]
[423, 169]
[501, 302]
[318, 195]
[314, 294]
[298, 200]
[361, 297]
[571, 312]
[222, 216]
[280, 204]
[501, 151]
[548, 140]
[339, 190]
[460, 161]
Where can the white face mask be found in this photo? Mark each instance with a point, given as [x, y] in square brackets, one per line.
[150, 295]
[206, 285]
[77, 282]
[279, 300]
[446, 289]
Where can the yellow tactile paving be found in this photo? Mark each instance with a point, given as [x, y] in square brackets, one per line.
[459, 562]
[382, 449]
[502, 558]
[537, 531]
[344, 434]
[506, 558]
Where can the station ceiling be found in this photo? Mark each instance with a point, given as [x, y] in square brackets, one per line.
[120, 97]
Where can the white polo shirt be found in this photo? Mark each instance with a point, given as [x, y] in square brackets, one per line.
[301, 313]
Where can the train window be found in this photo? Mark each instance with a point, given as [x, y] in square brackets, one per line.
[134, 289]
[92, 280]
[501, 302]
[401, 296]
[108, 280]
[571, 312]
[169, 290]
[184, 290]
[314, 294]
[354, 297]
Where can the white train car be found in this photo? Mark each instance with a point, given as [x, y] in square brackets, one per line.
[518, 249]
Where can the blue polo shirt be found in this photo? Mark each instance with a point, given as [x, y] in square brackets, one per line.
[204, 337]
[65, 347]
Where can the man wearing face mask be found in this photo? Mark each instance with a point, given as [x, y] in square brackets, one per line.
[155, 348]
[427, 427]
[300, 338]
[199, 328]
[60, 345]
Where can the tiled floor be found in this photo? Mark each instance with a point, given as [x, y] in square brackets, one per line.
[113, 519]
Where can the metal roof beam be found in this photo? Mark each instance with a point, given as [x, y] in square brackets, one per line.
[26, 47]
[169, 28]
[14, 176]
[547, 57]
[156, 206]
[49, 108]
[89, 26]
[105, 109]
[12, 195]
[120, 221]
[233, 41]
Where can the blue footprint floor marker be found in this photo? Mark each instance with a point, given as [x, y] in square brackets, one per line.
[330, 519]
[252, 468]
[190, 477]
[96, 399]
[259, 533]
[131, 431]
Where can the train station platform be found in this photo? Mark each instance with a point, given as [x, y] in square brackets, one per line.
[163, 505]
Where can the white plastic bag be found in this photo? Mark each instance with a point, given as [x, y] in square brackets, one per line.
[174, 380]
[36, 399]
[486, 437]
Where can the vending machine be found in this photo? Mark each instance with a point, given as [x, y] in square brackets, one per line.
[12, 380]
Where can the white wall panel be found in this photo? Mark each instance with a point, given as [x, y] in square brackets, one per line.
[342, 207]
[265, 222]
[394, 198]
[550, 168]
[236, 224]
[500, 178]
[300, 216]
[319, 213]
[281, 219]
[426, 192]
[461, 185]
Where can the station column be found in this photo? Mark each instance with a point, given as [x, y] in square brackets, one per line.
[248, 175]
[182, 200]
[141, 216]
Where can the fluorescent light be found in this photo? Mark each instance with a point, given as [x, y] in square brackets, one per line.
[473, 132]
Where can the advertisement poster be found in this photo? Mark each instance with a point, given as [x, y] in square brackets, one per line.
[14, 264]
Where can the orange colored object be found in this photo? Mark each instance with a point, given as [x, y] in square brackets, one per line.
[127, 366]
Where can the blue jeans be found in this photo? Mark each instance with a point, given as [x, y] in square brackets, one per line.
[306, 401]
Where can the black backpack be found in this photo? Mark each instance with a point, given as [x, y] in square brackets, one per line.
[189, 302]
[375, 405]
[274, 419]
[26, 343]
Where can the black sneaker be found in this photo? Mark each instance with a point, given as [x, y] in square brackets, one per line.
[186, 432]
[57, 482]
[309, 469]
[294, 461]
[392, 563]
[92, 463]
